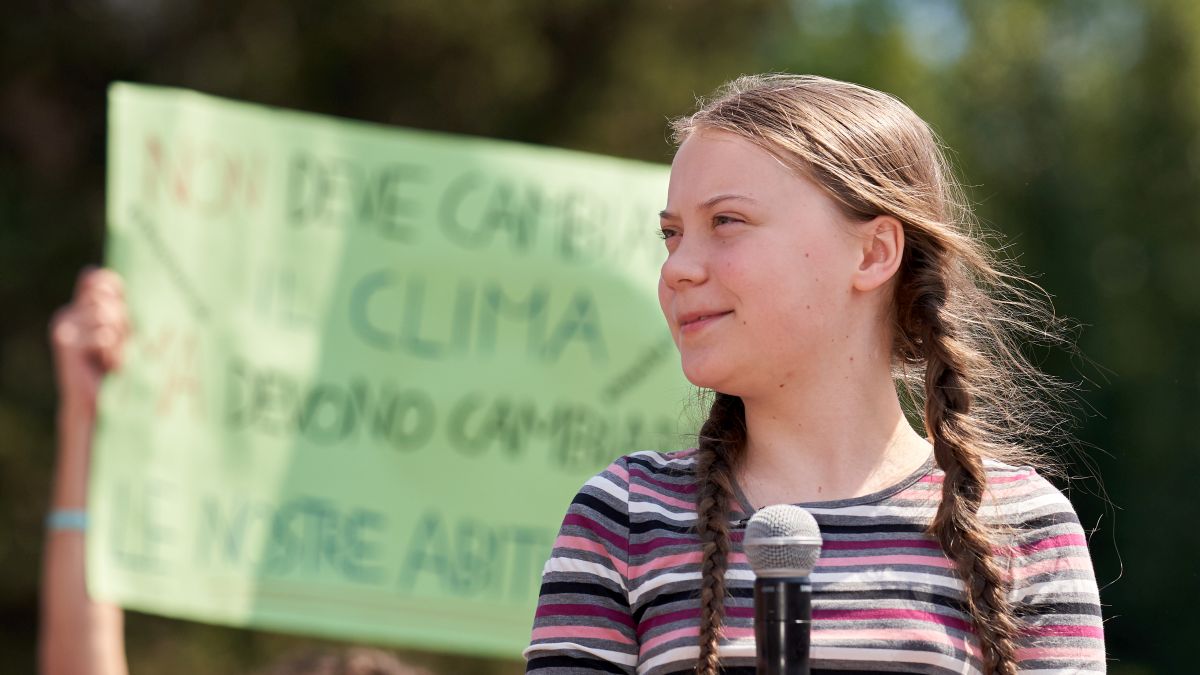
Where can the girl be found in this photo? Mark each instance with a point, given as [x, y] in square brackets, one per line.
[818, 255]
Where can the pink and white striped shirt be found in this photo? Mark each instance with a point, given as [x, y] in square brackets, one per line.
[620, 592]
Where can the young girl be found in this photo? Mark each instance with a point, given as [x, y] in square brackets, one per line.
[818, 255]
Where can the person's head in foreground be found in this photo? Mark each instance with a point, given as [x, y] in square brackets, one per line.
[825, 281]
[809, 215]
[805, 214]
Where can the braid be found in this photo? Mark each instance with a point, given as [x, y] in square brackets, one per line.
[722, 438]
[963, 318]
[957, 437]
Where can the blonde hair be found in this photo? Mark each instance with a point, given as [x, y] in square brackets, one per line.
[959, 317]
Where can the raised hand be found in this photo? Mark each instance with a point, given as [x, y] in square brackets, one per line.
[88, 336]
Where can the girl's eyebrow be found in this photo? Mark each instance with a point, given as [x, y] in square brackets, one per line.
[708, 203]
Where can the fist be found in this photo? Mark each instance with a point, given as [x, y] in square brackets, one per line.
[88, 337]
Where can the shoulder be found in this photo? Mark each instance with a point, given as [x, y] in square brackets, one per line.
[1050, 562]
[665, 465]
[642, 476]
[1036, 509]
[636, 471]
[666, 474]
[648, 466]
[1010, 487]
[1016, 492]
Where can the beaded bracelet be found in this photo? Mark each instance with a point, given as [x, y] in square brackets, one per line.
[67, 519]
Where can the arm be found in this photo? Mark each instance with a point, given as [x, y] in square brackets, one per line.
[77, 636]
[1054, 588]
[583, 622]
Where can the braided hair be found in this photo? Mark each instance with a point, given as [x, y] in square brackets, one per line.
[722, 438]
[958, 317]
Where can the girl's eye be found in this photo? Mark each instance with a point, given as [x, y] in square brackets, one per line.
[666, 233]
[723, 220]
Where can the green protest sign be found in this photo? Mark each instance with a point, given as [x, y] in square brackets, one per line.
[370, 367]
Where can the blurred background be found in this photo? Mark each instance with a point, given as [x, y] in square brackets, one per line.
[1075, 124]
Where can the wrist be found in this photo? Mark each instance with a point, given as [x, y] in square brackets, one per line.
[74, 445]
[69, 488]
[75, 422]
[76, 412]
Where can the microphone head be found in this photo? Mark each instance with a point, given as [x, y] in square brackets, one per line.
[782, 541]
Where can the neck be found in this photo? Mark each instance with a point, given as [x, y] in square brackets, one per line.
[834, 431]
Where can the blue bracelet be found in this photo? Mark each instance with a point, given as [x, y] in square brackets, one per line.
[67, 519]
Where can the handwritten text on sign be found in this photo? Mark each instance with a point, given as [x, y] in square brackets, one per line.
[370, 368]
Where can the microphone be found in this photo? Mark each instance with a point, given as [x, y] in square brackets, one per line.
[782, 543]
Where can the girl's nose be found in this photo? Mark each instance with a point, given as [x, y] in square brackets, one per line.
[686, 265]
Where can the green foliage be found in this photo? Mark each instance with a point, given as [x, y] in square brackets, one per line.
[1076, 124]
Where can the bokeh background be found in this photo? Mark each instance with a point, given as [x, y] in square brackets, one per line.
[1075, 123]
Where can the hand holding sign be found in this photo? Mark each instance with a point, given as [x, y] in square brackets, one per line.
[88, 337]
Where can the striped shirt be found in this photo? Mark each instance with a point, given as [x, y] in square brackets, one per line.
[620, 593]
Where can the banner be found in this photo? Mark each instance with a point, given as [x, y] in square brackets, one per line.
[370, 367]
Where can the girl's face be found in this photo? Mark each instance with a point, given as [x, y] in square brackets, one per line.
[757, 284]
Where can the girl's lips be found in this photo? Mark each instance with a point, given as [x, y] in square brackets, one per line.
[700, 324]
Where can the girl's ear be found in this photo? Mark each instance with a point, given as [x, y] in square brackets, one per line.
[880, 254]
